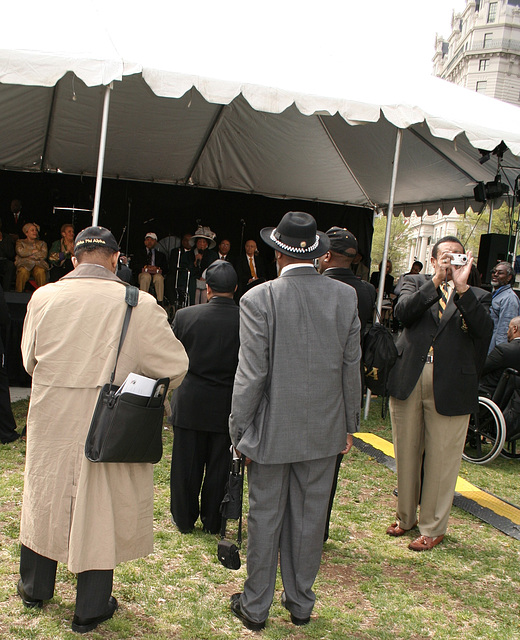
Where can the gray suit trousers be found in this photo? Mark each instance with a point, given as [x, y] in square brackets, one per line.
[287, 513]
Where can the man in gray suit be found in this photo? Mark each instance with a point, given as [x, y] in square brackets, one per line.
[296, 403]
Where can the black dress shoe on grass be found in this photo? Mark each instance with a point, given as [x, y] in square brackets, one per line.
[84, 625]
[27, 602]
[299, 622]
[247, 622]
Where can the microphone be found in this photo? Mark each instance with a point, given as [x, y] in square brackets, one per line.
[150, 220]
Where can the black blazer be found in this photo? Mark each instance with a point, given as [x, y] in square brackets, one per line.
[209, 333]
[460, 342]
[505, 355]
[366, 292]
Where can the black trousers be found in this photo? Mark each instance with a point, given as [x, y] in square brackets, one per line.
[38, 575]
[199, 459]
[7, 423]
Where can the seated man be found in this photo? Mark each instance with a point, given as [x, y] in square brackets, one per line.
[505, 355]
[151, 266]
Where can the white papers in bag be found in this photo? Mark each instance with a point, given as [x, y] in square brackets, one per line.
[138, 385]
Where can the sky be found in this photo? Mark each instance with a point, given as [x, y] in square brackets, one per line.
[296, 35]
[257, 41]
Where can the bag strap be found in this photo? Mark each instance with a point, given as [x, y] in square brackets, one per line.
[131, 299]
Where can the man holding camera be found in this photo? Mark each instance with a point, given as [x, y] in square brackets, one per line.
[434, 387]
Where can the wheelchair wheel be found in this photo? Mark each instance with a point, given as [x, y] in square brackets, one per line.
[486, 433]
[511, 449]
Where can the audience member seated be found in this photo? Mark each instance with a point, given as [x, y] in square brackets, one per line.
[199, 259]
[60, 254]
[31, 254]
[7, 254]
[504, 356]
[224, 247]
[150, 265]
[251, 269]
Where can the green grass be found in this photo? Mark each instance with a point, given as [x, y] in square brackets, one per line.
[369, 585]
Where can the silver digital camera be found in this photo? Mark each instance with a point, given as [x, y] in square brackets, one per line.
[459, 259]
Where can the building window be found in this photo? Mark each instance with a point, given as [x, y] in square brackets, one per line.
[481, 86]
[488, 40]
[492, 12]
[483, 64]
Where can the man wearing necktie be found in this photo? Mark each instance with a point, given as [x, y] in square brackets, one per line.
[153, 266]
[251, 270]
[434, 388]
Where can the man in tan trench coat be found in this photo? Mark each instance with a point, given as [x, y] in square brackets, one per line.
[90, 516]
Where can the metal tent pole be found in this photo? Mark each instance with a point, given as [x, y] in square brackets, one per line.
[390, 214]
[101, 156]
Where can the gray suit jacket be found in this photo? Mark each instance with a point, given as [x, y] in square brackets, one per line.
[297, 386]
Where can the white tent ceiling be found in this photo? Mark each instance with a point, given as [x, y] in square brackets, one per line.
[178, 128]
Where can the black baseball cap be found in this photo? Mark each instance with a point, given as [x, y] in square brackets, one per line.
[342, 241]
[221, 276]
[96, 236]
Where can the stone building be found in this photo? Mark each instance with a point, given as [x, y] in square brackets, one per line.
[482, 52]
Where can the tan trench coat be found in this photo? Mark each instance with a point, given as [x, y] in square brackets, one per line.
[88, 515]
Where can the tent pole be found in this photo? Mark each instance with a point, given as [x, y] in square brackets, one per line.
[390, 214]
[101, 157]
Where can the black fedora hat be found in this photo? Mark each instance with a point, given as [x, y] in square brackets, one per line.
[296, 235]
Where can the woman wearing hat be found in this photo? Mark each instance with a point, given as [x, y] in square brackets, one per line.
[199, 259]
[30, 258]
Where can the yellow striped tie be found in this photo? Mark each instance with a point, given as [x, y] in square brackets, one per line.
[443, 300]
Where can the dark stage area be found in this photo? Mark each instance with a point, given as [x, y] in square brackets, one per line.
[165, 209]
[141, 207]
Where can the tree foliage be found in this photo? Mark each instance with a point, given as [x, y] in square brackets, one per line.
[398, 248]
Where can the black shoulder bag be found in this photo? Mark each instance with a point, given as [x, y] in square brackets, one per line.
[231, 508]
[127, 427]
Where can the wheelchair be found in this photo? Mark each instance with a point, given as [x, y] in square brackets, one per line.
[495, 429]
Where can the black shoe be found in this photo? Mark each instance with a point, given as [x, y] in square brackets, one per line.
[83, 625]
[248, 624]
[13, 438]
[27, 602]
[182, 530]
[299, 622]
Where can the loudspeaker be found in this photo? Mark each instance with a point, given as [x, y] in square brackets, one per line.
[493, 249]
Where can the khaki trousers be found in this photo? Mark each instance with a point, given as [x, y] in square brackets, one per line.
[425, 440]
[158, 282]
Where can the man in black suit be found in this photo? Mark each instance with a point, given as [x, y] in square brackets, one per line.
[202, 404]
[504, 356]
[434, 388]
[14, 222]
[150, 265]
[336, 264]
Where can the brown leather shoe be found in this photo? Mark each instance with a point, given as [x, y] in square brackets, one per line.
[396, 531]
[425, 543]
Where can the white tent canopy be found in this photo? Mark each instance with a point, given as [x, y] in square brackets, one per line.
[173, 127]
